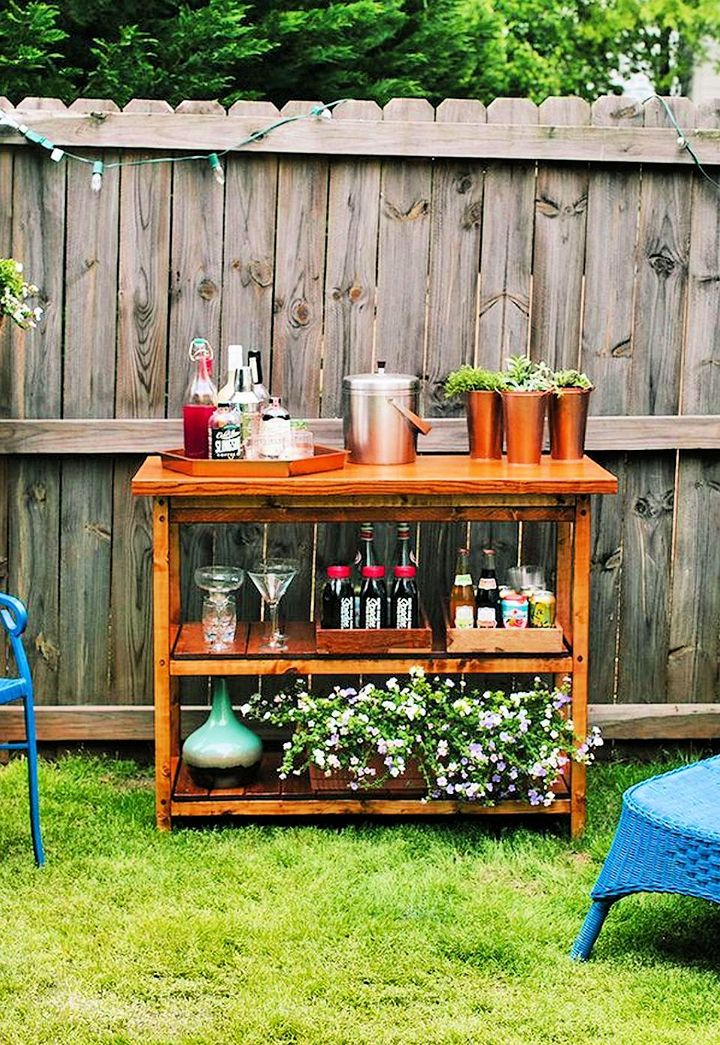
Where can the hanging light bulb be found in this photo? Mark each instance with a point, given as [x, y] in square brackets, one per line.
[97, 175]
[216, 168]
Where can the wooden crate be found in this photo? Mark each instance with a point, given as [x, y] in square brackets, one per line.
[502, 640]
[375, 640]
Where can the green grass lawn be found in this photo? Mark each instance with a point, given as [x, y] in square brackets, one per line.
[369, 932]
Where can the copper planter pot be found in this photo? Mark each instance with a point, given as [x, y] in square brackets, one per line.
[567, 415]
[484, 421]
[524, 419]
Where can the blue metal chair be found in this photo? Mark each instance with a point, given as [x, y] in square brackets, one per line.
[14, 618]
[667, 841]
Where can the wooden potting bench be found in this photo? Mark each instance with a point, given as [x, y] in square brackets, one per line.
[434, 488]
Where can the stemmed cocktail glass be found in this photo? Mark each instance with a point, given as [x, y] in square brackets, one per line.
[272, 578]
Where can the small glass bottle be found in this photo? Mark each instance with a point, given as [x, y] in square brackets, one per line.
[462, 596]
[200, 400]
[489, 611]
[247, 405]
[255, 364]
[373, 598]
[234, 363]
[405, 602]
[404, 553]
[224, 434]
[338, 599]
[275, 430]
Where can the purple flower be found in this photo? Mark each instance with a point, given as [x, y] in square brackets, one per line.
[475, 750]
[535, 797]
[496, 778]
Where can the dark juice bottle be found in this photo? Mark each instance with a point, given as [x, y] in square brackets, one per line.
[405, 603]
[338, 599]
[489, 614]
[373, 598]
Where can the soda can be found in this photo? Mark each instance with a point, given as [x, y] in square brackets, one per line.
[515, 610]
[542, 610]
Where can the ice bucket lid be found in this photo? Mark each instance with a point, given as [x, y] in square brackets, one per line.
[381, 383]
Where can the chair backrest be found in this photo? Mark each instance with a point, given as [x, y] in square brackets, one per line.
[14, 618]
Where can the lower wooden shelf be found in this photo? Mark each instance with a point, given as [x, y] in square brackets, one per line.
[267, 795]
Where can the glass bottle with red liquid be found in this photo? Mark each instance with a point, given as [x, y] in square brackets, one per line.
[200, 400]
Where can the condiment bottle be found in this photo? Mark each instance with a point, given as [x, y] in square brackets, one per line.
[275, 430]
[405, 602]
[200, 400]
[338, 599]
[224, 434]
[462, 597]
[373, 598]
[489, 611]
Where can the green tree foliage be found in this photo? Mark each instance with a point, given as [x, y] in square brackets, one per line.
[322, 49]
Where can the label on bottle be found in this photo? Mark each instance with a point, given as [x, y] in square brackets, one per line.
[225, 443]
[486, 617]
[488, 583]
[275, 437]
[403, 612]
[347, 611]
[462, 580]
[373, 612]
[464, 617]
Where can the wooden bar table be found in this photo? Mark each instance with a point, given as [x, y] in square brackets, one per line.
[437, 487]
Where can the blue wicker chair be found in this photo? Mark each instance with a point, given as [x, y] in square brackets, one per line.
[13, 617]
[667, 841]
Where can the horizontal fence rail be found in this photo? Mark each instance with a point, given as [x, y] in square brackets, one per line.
[577, 233]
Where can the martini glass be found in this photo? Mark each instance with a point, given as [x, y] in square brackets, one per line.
[219, 616]
[272, 578]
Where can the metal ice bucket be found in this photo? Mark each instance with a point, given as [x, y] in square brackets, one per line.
[380, 418]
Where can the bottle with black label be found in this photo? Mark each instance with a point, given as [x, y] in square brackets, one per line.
[405, 602]
[338, 599]
[224, 434]
[489, 613]
[255, 364]
[373, 598]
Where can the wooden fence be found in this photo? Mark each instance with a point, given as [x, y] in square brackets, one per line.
[581, 234]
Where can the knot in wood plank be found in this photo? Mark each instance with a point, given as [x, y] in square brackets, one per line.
[662, 263]
[207, 289]
[300, 312]
[464, 183]
[48, 651]
[260, 271]
[418, 209]
[472, 215]
[652, 506]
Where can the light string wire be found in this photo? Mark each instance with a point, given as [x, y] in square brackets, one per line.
[320, 111]
[682, 141]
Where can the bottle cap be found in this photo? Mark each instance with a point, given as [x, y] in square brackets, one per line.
[405, 571]
[235, 357]
[338, 571]
[373, 571]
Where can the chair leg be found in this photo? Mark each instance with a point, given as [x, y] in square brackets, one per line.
[590, 930]
[33, 781]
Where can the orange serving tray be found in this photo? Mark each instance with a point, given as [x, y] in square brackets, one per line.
[325, 459]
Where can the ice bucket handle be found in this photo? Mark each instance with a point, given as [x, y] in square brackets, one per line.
[419, 422]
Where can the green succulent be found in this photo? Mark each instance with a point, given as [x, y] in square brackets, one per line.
[571, 379]
[472, 379]
[525, 375]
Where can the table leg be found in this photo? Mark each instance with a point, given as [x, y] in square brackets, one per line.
[161, 635]
[581, 630]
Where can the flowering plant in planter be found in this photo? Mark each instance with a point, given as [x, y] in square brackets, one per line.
[14, 291]
[471, 745]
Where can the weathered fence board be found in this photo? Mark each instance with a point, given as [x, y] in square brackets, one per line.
[426, 237]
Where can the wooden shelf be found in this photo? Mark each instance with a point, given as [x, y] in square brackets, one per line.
[267, 795]
[192, 656]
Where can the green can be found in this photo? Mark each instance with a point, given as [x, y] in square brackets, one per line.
[542, 610]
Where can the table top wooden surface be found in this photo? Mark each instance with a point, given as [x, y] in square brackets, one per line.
[430, 474]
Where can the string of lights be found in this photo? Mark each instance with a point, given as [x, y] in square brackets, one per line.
[99, 167]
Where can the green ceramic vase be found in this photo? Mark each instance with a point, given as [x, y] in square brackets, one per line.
[222, 752]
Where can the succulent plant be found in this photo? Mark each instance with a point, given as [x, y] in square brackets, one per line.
[571, 379]
[525, 375]
[472, 379]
